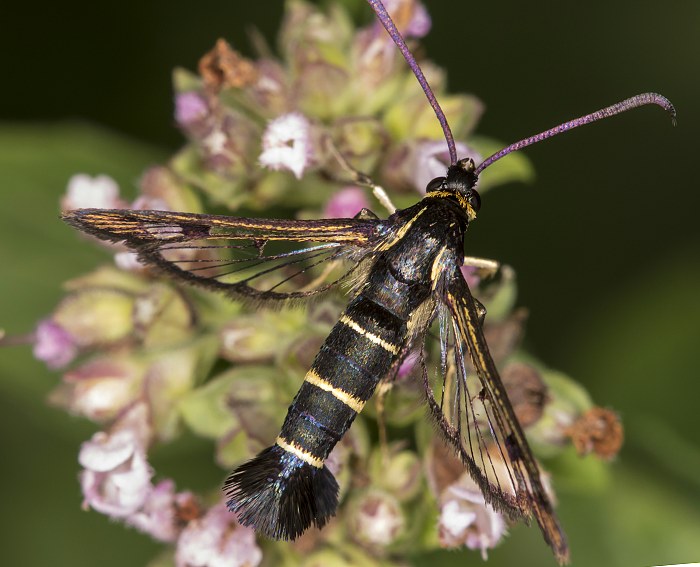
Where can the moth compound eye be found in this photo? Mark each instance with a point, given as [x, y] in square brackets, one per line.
[474, 200]
[435, 184]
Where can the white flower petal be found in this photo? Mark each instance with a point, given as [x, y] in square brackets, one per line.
[217, 540]
[287, 144]
[87, 192]
[105, 452]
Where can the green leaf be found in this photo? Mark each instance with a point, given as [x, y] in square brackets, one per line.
[204, 409]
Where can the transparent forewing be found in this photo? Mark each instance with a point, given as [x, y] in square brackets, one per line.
[469, 402]
[258, 258]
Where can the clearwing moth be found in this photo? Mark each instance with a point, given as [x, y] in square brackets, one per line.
[406, 273]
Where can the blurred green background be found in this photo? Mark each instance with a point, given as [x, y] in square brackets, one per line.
[605, 242]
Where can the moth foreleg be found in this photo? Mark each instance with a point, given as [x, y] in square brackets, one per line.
[491, 266]
[360, 178]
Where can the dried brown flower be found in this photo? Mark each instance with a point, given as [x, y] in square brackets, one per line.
[598, 431]
[223, 68]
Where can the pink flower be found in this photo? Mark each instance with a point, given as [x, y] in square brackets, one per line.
[471, 275]
[128, 261]
[408, 364]
[270, 90]
[378, 519]
[102, 387]
[86, 192]
[466, 519]
[431, 159]
[54, 345]
[346, 203]
[190, 108]
[158, 515]
[287, 144]
[419, 23]
[376, 55]
[117, 478]
[215, 143]
[217, 540]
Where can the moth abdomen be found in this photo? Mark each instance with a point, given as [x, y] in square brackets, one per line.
[287, 487]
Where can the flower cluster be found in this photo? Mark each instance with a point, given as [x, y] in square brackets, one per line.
[148, 359]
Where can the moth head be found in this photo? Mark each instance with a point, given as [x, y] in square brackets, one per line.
[459, 184]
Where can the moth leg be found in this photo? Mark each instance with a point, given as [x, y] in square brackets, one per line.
[366, 214]
[487, 268]
[490, 266]
[480, 310]
[383, 198]
[484, 268]
[361, 178]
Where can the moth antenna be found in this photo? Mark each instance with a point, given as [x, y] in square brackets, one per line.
[392, 30]
[628, 104]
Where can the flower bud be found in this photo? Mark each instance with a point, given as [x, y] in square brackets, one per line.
[190, 109]
[527, 392]
[96, 316]
[505, 336]
[54, 345]
[271, 92]
[359, 140]
[108, 277]
[129, 262]
[162, 316]
[376, 519]
[346, 203]
[159, 514]
[399, 472]
[86, 192]
[262, 336]
[467, 520]
[217, 539]
[410, 16]
[464, 519]
[309, 36]
[101, 388]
